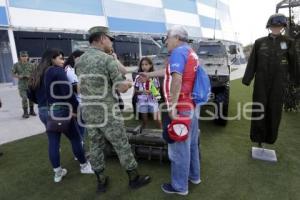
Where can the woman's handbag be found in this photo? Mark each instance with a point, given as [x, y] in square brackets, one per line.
[58, 125]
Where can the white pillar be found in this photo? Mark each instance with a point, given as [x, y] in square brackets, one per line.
[12, 45]
[140, 48]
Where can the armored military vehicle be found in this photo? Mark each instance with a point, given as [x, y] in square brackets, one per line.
[214, 58]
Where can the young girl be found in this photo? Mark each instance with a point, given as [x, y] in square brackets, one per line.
[73, 79]
[147, 94]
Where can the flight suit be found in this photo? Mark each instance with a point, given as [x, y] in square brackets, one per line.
[271, 60]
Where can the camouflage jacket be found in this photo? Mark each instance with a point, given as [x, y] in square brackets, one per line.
[98, 75]
[24, 70]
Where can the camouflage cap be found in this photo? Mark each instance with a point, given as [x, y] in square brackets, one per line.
[101, 29]
[23, 53]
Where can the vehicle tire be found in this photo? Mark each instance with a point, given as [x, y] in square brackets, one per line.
[222, 101]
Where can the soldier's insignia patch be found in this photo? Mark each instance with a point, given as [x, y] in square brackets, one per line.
[283, 45]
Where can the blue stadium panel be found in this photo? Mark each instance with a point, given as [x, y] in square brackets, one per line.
[89, 7]
[189, 6]
[211, 3]
[138, 26]
[3, 17]
[208, 22]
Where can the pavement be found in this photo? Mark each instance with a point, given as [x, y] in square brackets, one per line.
[13, 127]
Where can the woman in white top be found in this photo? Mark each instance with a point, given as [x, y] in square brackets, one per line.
[73, 79]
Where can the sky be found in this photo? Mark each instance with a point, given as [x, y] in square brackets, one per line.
[249, 18]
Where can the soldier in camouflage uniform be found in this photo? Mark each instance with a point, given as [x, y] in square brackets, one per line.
[98, 74]
[22, 70]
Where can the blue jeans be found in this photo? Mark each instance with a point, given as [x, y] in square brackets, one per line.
[185, 156]
[81, 132]
[81, 128]
[54, 138]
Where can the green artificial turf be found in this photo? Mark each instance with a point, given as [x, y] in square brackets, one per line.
[228, 171]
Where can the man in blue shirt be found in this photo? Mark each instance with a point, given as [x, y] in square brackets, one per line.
[178, 86]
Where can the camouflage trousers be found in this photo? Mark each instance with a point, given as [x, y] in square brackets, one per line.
[23, 94]
[114, 132]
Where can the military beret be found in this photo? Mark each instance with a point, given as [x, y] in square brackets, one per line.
[101, 29]
[23, 53]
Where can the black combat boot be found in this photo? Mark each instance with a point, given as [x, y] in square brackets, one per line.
[102, 182]
[136, 181]
[32, 113]
[25, 114]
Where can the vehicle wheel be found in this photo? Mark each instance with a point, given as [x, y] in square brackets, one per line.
[222, 101]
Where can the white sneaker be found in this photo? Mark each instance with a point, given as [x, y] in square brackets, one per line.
[196, 182]
[86, 168]
[59, 174]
